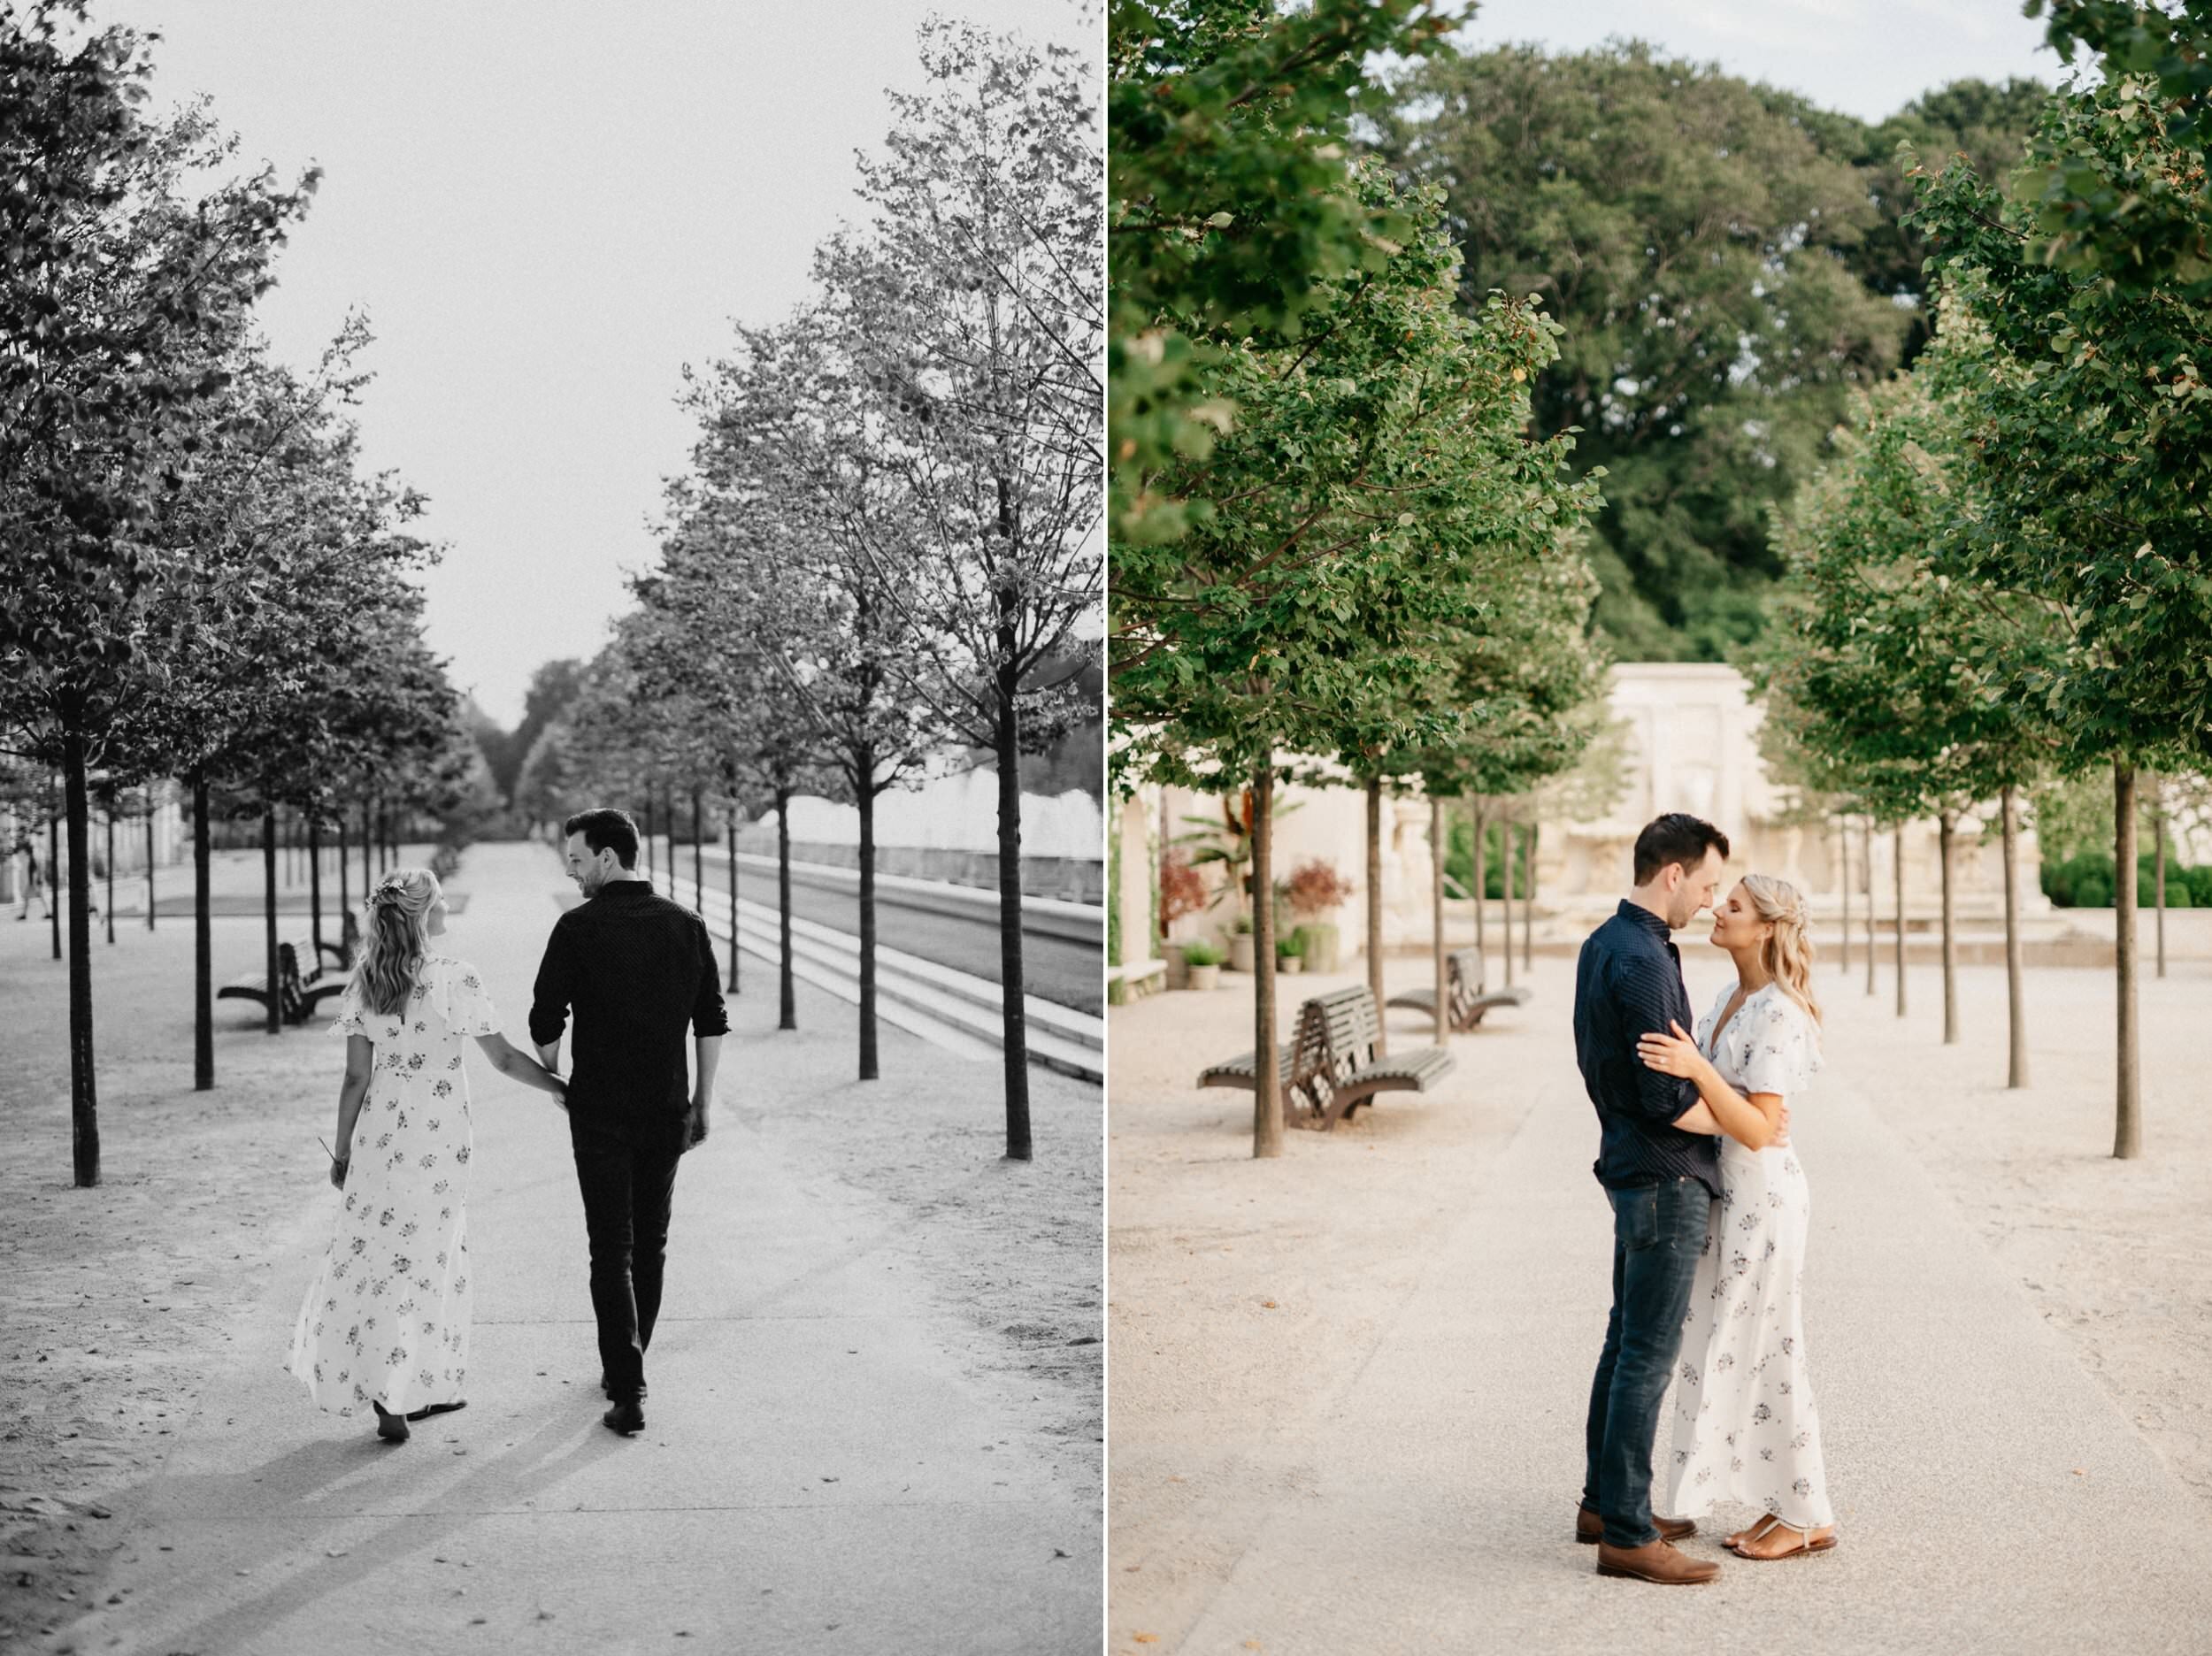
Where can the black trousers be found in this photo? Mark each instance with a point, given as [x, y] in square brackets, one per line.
[627, 1192]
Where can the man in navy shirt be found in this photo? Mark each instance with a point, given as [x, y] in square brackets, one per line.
[1660, 1165]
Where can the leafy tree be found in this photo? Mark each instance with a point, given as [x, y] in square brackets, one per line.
[1988, 122]
[1897, 674]
[789, 449]
[1229, 214]
[121, 293]
[2138, 211]
[2087, 428]
[974, 304]
[1378, 492]
[1690, 233]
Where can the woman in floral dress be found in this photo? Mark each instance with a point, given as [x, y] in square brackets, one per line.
[1746, 1427]
[386, 1321]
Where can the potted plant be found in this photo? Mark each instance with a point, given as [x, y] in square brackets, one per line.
[1241, 943]
[1201, 964]
[1315, 890]
[1182, 892]
[1229, 842]
[1290, 952]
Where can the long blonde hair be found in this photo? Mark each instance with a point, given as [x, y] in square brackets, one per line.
[395, 939]
[1787, 953]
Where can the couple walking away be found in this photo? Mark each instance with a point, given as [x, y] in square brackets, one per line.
[1711, 1210]
[385, 1320]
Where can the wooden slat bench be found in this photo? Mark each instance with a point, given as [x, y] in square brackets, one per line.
[1328, 1069]
[298, 993]
[1467, 1001]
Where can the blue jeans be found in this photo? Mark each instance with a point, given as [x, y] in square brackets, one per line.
[1658, 1232]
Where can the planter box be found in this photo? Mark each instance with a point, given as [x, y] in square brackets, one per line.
[1322, 945]
[1202, 977]
[1240, 951]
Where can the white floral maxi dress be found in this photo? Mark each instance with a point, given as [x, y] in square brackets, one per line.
[387, 1318]
[1746, 1427]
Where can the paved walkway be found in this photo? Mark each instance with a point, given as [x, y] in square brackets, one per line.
[820, 1472]
[1411, 1484]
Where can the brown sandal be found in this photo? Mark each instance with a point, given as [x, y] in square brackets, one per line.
[1806, 1544]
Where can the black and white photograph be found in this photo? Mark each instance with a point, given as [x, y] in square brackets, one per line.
[553, 931]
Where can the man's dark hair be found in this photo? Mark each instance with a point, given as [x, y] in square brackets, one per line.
[606, 826]
[1677, 837]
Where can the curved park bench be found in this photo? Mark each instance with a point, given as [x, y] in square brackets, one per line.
[298, 993]
[1466, 1001]
[1328, 1069]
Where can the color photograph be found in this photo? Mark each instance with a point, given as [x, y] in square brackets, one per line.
[1658, 725]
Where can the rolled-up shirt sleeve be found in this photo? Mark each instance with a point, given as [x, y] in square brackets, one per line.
[1646, 1003]
[709, 1016]
[551, 998]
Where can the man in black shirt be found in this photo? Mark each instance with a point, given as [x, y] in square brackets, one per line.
[634, 968]
[1661, 1179]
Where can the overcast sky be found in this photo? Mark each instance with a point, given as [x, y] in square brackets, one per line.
[546, 209]
[1867, 57]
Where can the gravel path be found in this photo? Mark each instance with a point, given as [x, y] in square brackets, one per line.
[1348, 1384]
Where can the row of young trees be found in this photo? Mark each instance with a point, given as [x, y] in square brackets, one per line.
[887, 541]
[2002, 577]
[1336, 540]
[204, 581]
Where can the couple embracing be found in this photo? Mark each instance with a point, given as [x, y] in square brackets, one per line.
[1710, 1211]
[384, 1322]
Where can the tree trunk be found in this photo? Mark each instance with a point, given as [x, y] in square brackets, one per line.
[734, 950]
[53, 866]
[1946, 833]
[1436, 906]
[1014, 1025]
[345, 894]
[275, 1025]
[1505, 884]
[108, 819]
[1528, 897]
[1374, 914]
[315, 886]
[2016, 1072]
[786, 989]
[1267, 1097]
[649, 831]
[1843, 852]
[149, 859]
[368, 849]
[2127, 1135]
[1899, 847]
[1866, 844]
[2157, 851]
[1482, 875]
[869, 1072]
[84, 1114]
[699, 860]
[202, 950]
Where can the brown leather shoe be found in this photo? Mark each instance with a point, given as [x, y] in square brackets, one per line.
[1654, 1561]
[1590, 1529]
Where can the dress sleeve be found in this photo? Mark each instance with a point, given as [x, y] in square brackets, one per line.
[1779, 1051]
[468, 1004]
[351, 1018]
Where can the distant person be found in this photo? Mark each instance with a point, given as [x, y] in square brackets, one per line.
[1660, 1165]
[633, 969]
[386, 1321]
[34, 880]
[1746, 1427]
